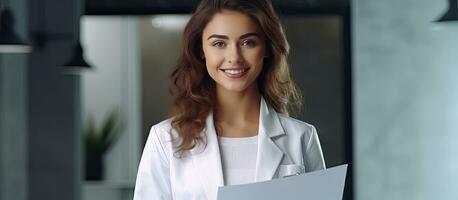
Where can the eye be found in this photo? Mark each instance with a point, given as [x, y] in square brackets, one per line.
[218, 44]
[249, 43]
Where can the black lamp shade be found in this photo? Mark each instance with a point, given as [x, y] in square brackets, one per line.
[9, 40]
[452, 12]
[77, 61]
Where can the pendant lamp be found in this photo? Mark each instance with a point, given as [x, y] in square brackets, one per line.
[452, 12]
[10, 42]
[76, 63]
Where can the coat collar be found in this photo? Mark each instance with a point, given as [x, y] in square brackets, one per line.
[269, 155]
[269, 123]
[207, 159]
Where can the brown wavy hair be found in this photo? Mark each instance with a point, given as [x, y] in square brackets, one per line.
[192, 87]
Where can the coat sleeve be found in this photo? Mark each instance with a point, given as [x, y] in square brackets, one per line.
[313, 155]
[153, 176]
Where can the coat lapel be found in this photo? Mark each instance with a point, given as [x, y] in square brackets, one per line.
[269, 155]
[207, 161]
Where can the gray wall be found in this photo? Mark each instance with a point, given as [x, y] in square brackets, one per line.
[39, 147]
[405, 100]
[13, 127]
[53, 106]
[13, 114]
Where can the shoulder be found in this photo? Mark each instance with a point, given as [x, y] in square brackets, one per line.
[295, 126]
[163, 132]
[162, 126]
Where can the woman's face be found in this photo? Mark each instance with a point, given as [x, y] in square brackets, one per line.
[234, 49]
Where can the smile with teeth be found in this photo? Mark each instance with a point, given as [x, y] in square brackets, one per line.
[234, 71]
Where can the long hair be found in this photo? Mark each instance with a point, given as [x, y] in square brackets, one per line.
[192, 87]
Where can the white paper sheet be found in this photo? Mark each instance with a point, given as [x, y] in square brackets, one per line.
[325, 184]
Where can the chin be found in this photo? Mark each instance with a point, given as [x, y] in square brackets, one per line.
[233, 88]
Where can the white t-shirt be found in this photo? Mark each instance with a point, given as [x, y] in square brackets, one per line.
[238, 159]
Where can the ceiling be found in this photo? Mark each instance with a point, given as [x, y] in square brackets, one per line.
[147, 7]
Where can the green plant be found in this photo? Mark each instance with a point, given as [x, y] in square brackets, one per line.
[98, 141]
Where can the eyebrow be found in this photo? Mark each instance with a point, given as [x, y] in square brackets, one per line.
[241, 37]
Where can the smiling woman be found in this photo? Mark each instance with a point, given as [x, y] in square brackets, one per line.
[232, 95]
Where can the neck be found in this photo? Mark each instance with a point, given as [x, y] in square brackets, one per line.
[237, 109]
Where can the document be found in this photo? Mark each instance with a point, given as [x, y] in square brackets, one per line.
[327, 184]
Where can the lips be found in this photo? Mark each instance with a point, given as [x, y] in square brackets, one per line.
[235, 72]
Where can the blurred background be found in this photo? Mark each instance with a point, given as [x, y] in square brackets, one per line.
[81, 83]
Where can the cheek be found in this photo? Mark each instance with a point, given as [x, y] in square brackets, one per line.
[256, 58]
[257, 55]
[213, 60]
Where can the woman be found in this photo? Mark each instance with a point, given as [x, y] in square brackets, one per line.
[232, 91]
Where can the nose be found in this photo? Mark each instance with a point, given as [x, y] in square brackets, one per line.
[233, 55]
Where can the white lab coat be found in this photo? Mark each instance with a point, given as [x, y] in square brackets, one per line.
[286, 146]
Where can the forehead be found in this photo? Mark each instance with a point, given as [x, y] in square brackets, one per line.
[231, 23]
